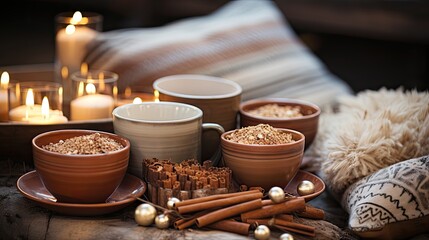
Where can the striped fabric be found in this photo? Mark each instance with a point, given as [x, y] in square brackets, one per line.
[247, 41]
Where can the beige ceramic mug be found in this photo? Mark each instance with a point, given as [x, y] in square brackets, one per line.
[219, 98]
[163, 130]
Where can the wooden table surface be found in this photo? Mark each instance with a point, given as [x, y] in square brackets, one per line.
[24, 219]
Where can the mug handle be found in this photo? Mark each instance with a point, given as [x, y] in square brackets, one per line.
[220, 130]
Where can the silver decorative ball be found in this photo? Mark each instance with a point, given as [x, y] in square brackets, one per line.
[276, 194]
[262, 232]
[171, 201]
[162, 221]
[144, 214]
[286, 236]
[305, 188]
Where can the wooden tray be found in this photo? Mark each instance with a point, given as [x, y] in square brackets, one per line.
[15, 138]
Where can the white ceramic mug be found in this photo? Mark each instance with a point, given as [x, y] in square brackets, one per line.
[163, 130]
[219, 98]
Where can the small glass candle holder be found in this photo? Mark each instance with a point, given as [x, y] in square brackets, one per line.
[36, 103]
[134, 94]
[93, 95]
[4, 97]
[74, 31]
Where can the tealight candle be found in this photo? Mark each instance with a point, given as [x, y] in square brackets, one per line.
[93, 98]
[35, 107]
[47, 115]
[132, 97]
[4, 98]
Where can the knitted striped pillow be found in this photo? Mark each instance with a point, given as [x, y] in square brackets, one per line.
[246, 41]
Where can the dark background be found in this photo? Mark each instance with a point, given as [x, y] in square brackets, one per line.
[369, 44]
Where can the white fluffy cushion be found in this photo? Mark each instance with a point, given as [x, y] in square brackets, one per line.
[249, 42]
[371, 131]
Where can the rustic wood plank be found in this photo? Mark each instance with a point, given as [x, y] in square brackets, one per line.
[23, 219]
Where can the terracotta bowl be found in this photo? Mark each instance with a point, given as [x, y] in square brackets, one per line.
[263, 166]
[79, 178]
[306, 124]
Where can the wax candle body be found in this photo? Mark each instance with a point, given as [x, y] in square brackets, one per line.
[93, 106]
[52, 119]
[4, 106]
[71, 48]
[19, 114]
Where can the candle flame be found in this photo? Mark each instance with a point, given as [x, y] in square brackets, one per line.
[84, 69]
[4, 80]
[137, 100]
[101, 86]
[77, 17]
[29, 100]
[64, 72]
[90, 88]
[80, 89]
[156, 95]
[60, 95]
[45, 108]
[18, 91]
[70, 29]
[115, 92]
[127, 92]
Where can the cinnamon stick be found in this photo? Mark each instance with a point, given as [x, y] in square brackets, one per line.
[284, 225]
[212, 197]
[231, 226]
[313, 213]
[294, 225]
[228, 212]
[285, 217]
[289, 229]
[293, 205]
[185, 224]
[224, 202]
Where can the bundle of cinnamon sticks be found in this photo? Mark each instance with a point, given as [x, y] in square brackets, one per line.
[185, 180]
[239, 212]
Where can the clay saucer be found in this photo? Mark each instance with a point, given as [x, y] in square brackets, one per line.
[32, 188]
[301, 175]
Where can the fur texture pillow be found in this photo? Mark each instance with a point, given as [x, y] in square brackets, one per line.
[371, 131]
[373, 154]
[249, 42]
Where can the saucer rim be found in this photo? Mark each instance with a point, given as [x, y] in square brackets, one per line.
[75, 205]
[312, 196]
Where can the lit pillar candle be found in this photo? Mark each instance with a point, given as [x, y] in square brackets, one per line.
[92, 105]
[71, 42]
[4, 102]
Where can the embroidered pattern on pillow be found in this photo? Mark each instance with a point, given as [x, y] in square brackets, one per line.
[396, 193]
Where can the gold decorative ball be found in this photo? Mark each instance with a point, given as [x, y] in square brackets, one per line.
[262, 232]
[286, 236]
[171, 201]
[145, 214]
[276, 194]
[305, 188]
[162, 221]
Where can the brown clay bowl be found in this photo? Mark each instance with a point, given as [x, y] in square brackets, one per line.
[79, 178]
[306, 124]
[263, 166]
